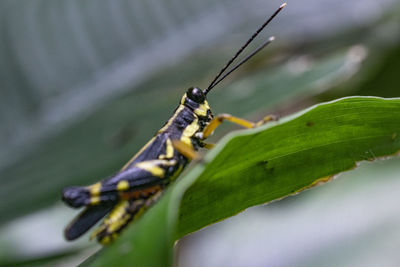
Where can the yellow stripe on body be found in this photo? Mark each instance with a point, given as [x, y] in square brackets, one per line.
[95, 189]
[189, 132]
[123, 185]
[169, 150]
[202, 109]
[94, 200]
[183, 99]
[151, 167]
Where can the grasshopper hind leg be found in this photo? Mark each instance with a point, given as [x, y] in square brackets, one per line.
[123, 213]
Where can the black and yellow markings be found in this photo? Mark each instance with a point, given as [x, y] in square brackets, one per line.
[202, 109]
[94, 191]
[124, 196]
[123, 185]
[134, 202]
[122, 213]
[169, 150]
[125, 211]
[189, 131]
[155, 167]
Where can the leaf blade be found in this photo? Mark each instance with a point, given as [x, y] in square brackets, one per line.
[302, 151]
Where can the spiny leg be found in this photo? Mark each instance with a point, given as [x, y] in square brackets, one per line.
[217, 120]
[125, 211]
[118, 218]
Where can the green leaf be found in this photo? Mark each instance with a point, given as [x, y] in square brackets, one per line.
[257, 166]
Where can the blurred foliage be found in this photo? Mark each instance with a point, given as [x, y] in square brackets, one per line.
[84, 85]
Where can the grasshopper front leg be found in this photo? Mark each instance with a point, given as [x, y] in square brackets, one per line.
[217, 120]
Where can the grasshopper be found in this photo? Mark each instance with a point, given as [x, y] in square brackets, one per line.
[124, 196]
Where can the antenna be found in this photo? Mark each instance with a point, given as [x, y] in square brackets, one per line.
[270, 40]
[216, 79]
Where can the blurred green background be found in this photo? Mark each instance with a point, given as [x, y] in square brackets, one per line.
[84, 84]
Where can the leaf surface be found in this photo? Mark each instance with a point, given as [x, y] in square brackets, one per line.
[256, 166]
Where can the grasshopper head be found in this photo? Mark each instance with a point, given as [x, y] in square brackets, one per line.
[196, 100]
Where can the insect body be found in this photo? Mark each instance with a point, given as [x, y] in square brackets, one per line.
[140, 181]
[128, 193]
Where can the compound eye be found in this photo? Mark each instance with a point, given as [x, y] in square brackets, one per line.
[196, 95]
